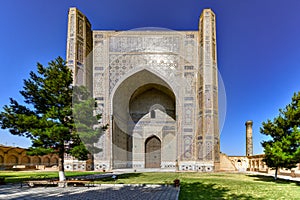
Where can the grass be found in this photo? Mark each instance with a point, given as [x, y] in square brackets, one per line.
[217, 185]
[15, 177]
[195, 185]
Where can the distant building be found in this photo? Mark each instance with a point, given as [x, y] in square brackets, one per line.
[250, 162]
[16, 157]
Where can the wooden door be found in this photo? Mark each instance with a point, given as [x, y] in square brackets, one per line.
[152, 152]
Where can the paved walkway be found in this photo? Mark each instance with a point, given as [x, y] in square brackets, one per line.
[99, 191]
[105, 191]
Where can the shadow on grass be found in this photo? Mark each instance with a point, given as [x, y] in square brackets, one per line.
[271, 179]
[21, 179]
[198, 190]
[119, 177]
[12, 177]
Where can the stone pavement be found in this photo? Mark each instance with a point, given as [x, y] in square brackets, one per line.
[103, 191]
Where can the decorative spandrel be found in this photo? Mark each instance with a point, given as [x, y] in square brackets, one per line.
[164, 64]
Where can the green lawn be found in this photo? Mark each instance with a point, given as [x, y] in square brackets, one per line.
[14, 177]
[218, 185]
[195, 185]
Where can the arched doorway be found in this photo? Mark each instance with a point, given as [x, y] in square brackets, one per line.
[152, 152]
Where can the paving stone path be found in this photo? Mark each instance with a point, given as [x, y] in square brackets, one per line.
[104, 191]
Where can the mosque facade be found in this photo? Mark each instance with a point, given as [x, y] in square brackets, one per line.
[156, 88]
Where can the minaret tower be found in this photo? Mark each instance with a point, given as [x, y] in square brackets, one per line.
[79, 46]
[249, 143]
[208, 137]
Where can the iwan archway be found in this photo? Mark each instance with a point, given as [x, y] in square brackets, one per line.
[144, 122]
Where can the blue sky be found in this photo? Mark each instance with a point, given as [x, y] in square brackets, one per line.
[258, 45]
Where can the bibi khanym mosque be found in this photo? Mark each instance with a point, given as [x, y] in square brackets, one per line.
[158, 91]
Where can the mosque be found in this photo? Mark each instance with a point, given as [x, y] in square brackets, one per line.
[158, 91]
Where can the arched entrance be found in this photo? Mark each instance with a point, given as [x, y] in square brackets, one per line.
[143, 105]
[152, 152]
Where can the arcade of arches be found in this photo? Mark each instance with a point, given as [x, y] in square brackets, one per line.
[11, 157]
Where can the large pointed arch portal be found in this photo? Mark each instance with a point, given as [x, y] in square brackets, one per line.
[144, 122]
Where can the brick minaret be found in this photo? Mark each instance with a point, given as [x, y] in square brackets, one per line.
[249, 143]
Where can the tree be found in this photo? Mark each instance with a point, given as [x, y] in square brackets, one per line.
[87, 122]
[47, 116]
[283, 150]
